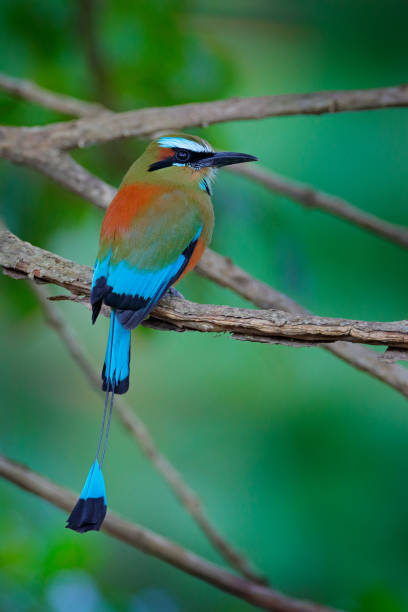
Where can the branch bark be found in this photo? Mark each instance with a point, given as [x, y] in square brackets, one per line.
[109, 126]
[223, 271]
[276, 327]
[156, 545]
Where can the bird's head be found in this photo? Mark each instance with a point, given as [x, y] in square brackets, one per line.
[182, 159]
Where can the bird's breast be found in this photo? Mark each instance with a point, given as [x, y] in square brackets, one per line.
[141, 205]
[129, 202]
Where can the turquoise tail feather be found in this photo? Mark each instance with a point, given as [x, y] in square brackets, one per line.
[90, 510]
[115, 373]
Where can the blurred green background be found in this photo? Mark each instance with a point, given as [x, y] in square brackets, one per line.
[300, 459]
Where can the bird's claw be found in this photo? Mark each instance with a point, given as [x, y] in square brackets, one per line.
[172, 292]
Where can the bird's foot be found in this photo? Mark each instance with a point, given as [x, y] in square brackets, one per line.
[172, 292]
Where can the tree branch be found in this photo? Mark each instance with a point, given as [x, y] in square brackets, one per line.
[22, 258]
[271, 326]
[221, 270]
[63, 169]
[109, 126]
[156, 545]
[300, 192]
[138, 430]
[314, 198]
[27, 90]
[42, 148]
[56, 165]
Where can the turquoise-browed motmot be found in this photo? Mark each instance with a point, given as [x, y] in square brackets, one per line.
[154, 231]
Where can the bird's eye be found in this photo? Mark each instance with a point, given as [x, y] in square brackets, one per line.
[182, 156]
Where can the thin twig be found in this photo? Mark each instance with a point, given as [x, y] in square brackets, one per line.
[314, 198]
[138, 430]
[27, 90]
[110, 126]
[300, 192]
[156, 545]
[233, 109]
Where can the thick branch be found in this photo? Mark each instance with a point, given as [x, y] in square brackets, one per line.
[110, 126]
[272, 325]
[314, 198]
[18, 257]
[156, 545]
[138, 430]
[27, 90]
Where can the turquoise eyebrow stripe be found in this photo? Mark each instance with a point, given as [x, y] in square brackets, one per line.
[182, 143]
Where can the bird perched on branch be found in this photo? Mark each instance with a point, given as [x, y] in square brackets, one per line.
[154, 231]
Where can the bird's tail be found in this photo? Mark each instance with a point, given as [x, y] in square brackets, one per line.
[115, 372]
[90, 509]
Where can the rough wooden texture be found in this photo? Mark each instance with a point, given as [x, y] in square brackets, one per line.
[22, 258]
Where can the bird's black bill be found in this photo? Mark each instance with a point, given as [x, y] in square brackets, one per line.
[202, 159]
[217, 160]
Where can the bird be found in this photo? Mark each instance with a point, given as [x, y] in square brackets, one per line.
[154, 231]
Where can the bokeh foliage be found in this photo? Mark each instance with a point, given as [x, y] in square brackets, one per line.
[301, 460]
